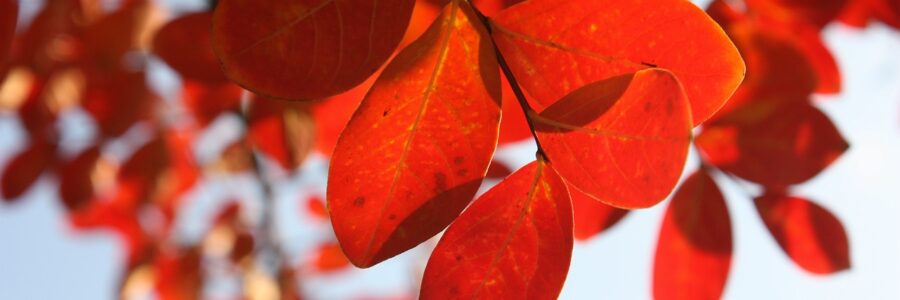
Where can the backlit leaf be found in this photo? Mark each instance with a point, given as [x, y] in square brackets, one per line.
[514, 242]
[773, 142]
[76, 184]
[815, 12]
[25, 168]
[623, 140]
[306, 49]
[694, 251]
[555, 47]
[9, 12]
[197, 62]
[418, 146]
[282, 130]
[808, 233]
[592, 217]
[329, 258]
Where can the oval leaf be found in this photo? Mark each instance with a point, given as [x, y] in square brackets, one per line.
[76, 185]
[306, 49]
[555, 47]
[197, 62]
[514, 242]
[772, 142]
[418, 146]
[693, 255]
[623, 140]
[810, 235]
[25, 168]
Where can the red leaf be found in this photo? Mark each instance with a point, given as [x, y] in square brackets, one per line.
[623, 140]
[416, 150]
[140, 174]
[110, 38]
[810, 235]
[814, 12]
[555, 47]
[308, 49]
[315, 206]
[118, 102]
[592, 217]
[207, 101]
[330, 258]
[179, 274]
[497, 170]
[197, 62]
[514, 242]
[76, 186]
[25, 168]
[332, 115]
[9, 12]
[773, 143]
[513, 125]
[695, 244]
[281, 130]
[50, 43]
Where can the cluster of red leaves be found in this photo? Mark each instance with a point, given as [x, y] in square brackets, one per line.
[613, 92]
[407, 97]
[132, 173]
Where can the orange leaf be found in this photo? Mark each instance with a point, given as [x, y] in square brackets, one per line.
[555, 47]
[25, 168]
[773, 143]
[330, 258]
[514, 242]
[592, 217]
[418, 146]
[76, 186]
[810, 235]
[315, 206]
[623, 141]
[197, 62]
[307, 49]
[693, 255]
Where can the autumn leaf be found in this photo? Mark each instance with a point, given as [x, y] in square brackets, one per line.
[308, 49]
[206, 102]
[197, 62]
[329, 258]
[694, 251]
[418, 146]
[76, 184]
[49, 43]
[814, 12]
[118, 102]
[592, 217]
[623, 140]
[281, 130]
[808, 233]
[25, 168]
[9, 12]
[555, 47]
[774, 142]
[514, 242]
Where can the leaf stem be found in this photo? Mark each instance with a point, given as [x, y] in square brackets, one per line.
[511, 79]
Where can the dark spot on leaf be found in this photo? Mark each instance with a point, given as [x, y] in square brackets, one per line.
[649, 64]
[647, 107]
[669, 107]
[392, 217]
[459, 160]
[359, 201]
[440, 181]
[386, 112]
[462, 172]
[454, 290]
